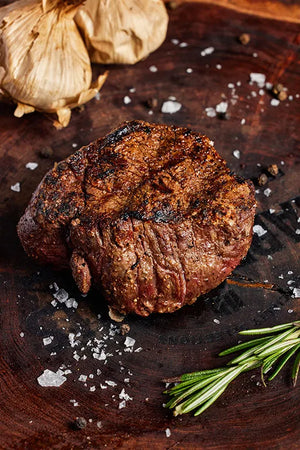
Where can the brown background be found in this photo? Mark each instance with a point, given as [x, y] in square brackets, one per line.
[248, 415]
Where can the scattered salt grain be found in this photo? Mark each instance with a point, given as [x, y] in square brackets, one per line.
[132, 90]
[236, 154]
[281, 276]
[258, 78]
[290, 282]
[189, 70]
[61, 295]
[48, 340]
[261, 92]
[290, 311]
[255, 55]
[111, 383]
[97, 96]
[254, 94]
[129, 342]
[269, 85]
[153, 69]
[92, 388]
[122, 404]
[54, 303]
[296, 292]
[207, 51]
[298, 231]
[31, 165]
[49, 378]
[99, 424]
[222, 107]
[271, 211]
[243, 121]
[16, 187]
[168, 432]
[175, 41]
[218, 66]
[127, 100]
[267, 192]
[290, 272]
[259, 230]
[21, 334]
[210, 112]
[124, 396]
[170, 107]
[183, 44]
[274, 102]
[217, 321]
[82, 378]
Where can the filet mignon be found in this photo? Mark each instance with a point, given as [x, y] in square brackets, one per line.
[150, 214]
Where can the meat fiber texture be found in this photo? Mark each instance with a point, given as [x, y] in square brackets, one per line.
[150, 214]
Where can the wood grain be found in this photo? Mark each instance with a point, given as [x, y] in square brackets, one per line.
[257, 294]
[271, 9]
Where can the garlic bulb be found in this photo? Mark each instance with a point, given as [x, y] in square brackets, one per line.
[122, 31]
[44, 64]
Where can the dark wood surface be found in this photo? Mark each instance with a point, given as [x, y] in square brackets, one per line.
[248, 416]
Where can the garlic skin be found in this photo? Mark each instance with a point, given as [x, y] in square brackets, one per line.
[44, 64]
[122, 31]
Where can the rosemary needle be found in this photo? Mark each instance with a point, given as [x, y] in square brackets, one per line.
[271, 351]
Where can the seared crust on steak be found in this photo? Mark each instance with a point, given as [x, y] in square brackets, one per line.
[150, 214]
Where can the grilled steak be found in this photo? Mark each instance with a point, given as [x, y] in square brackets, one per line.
[150, 214]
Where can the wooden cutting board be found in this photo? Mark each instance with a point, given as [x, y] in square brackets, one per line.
[248, 416]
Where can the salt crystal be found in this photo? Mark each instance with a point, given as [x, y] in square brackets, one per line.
[258, 78]
[99, 424]
[259, 230]
[111, 383]
[91, 376]
[74, 145]
[21, 334]
[290, 98]
[207, 51]
[127, 100]
[168, 432]
[290, 272]
[92, 388]
[82, 378]
[290, 282]
[69, 303]
[126, 380]
[75, 304]
[54, 303]
[255, 55]
[210, 112]
[290, 311]
[189, 70]
[267, 192]
[175, 41]
[254, 94]
[261, 92]
[122, 404]
[298, 231]
[222, 107]
[102, 356]
[236, 154]
[103, 386]
[269, 85]
[296, 292]
[49, 378]
[139, 349]
[31, 165]
[97, 96]
[243, 121]
[129, 342]
[153, 69]
[16, 187]
[217, 321]
[124, 396]
[132, 90]
[218, 66]
[61, 295]
[48, 340]
[183, 44]
[170, 107]
[274, 102]
[239, 83]
[271, 211]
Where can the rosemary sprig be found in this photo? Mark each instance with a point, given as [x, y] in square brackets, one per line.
[198, 390]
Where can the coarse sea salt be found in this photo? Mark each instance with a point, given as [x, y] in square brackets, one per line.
[31, 165]
[258, 78]
[127, 100]
[207, 51]
[170, 107]
[222, 107]
[50, 378]
[210, 112]
[153, 69]
[48, 340]
[296, 292]
[259, 230]
[61, 295]
[267, 192]
[129, 342]
[236, 154]
[16, 187]
[274, 102]
[168, 432]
